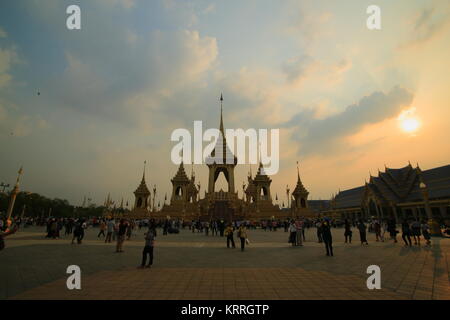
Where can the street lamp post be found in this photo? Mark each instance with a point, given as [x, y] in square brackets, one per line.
[14, 193]
[435, 230]
[287, 193]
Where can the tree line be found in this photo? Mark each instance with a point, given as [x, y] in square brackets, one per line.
[36, 205]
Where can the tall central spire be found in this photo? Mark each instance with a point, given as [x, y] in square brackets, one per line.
[221, 114]
[143, 174]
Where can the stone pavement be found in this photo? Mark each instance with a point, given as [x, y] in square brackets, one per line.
[194, 266]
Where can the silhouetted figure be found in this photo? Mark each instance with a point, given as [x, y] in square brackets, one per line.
[362, 232]
[327, 237]
[406, 233]
[348, 232]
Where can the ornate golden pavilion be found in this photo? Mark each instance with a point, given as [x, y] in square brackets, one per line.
[256, 203]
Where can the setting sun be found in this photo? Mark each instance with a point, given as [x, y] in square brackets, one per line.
[410, 125]
[409, 121]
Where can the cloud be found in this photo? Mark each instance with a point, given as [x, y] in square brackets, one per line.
[427, 25]
[145, 74]
[7, 58]
[296, 69]
[324, 135]
[307, 23]
[336, 71]
[127, 4]
[211, 8]
[3, 33]
[14, 123]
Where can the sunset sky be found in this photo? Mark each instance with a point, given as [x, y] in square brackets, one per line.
[347, 100]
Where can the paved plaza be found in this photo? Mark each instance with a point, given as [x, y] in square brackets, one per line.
[194, 266]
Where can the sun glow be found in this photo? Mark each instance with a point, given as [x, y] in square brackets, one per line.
[409, 122]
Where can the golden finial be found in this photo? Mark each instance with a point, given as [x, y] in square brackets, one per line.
[221, 114]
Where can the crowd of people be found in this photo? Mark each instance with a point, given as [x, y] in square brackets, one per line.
[119, 230]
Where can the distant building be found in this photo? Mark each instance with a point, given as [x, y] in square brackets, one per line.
[319, 206]
[401, 193]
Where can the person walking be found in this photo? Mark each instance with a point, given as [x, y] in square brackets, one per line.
[54, 229]
[221, 227]
[416, 232]
[319, 231]
[130, 228]
[109, 230]
[166, 227]
[150, 237]
[67, 227]
[78, 232]
[392, 229]
[116, 230]
[348, 231]
[327, 237]
[242, 234]
[426, 232]
[303, 229]
[123, 225]
[206, 228]
[377, 229]
[102, 229]
[406, 233]
[229, 231]
[214, 227]
[298, 235]
[292, 233]
[362, 232]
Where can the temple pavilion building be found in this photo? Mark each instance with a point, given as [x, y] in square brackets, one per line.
[403, 193]
[185, 202]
